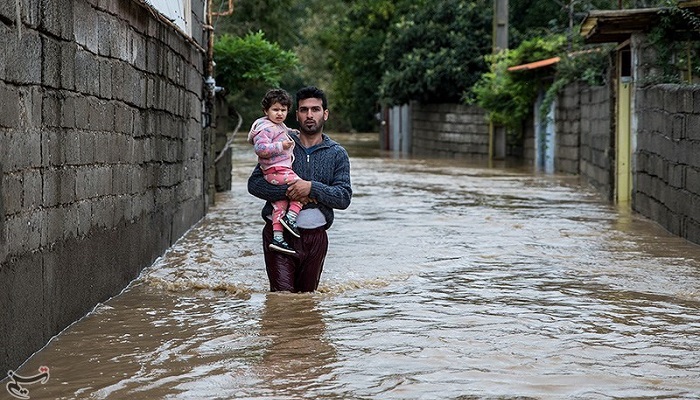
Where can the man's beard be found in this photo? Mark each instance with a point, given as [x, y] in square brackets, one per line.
[318, 127]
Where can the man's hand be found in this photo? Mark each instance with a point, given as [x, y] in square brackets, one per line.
[299, 190]
[306, 200]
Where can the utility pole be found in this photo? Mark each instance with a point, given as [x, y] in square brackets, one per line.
[500, 25]
[497, 134]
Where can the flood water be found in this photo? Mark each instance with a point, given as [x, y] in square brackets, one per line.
[444, 280]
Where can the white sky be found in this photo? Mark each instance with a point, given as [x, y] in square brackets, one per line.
[174, 10]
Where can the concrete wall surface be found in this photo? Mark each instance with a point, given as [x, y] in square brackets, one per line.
[449, 130]
[666, 184]
[596, 139]
[100, 156]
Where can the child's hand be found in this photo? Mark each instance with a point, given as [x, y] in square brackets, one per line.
[287, 144]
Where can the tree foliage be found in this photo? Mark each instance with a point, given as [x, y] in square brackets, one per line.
[508, 96]
[278, 19]
[247, 66]
[435, 52]
[355, 41]
[251, 59]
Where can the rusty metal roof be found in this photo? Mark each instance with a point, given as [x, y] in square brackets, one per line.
[535, 65]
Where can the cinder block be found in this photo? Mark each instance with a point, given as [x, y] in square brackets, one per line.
[123, 118]
[59, 186]
[26, 151]
[86, 147]
[119, 88]
[85, 25]
[105, 68]
[24, 59]
[9, 104]
[67, 62]
[84, 209]
[137, 50]
[105, 34]
[692, 181]
[82, 60]
[51, 109]
[12, 192]
[72, 147]
[678, 127]
[51, 71]
[685, 100]
[37, 226]
[87, 182]
[120, 42]
[92, 73]
[68, 111]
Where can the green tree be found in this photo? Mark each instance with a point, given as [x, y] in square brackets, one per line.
[435, 52]
[509, 96]
[355, 41]
[278, 19]
[247, 66]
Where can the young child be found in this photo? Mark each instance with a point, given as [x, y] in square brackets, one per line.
[274, 149]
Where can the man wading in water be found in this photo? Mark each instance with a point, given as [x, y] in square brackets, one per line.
[323, 167]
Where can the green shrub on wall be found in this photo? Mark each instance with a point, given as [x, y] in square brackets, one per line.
[676, 39]
[509, 97]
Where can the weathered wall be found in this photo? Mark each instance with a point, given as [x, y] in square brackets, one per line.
[449, 130]
[667, 179]
[100, 153]
[568, 130]
[597, 135]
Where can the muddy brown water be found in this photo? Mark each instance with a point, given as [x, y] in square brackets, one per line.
[444, 280]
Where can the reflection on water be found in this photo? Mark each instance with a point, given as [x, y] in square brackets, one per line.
[444, 280]
[298, 355]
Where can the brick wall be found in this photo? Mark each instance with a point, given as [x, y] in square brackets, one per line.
[667, 180]
[100, 154]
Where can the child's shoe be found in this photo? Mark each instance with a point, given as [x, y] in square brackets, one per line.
[281, 246]
[290, 225]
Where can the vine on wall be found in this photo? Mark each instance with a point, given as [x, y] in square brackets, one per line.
[676, 40]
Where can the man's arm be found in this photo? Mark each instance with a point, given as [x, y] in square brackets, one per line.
[260, 188]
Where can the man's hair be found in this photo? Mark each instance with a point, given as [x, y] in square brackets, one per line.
[276, 96]
[312, 92]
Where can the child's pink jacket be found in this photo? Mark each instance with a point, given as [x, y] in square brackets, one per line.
[267, 138]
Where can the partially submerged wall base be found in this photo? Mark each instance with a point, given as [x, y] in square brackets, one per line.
[101, 157]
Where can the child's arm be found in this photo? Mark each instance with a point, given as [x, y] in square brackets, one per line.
[265, 147]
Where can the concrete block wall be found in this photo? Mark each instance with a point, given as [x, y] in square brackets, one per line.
[100, 156]
[667, 178]
[568, 130]
[596, 139]
[449, 130]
